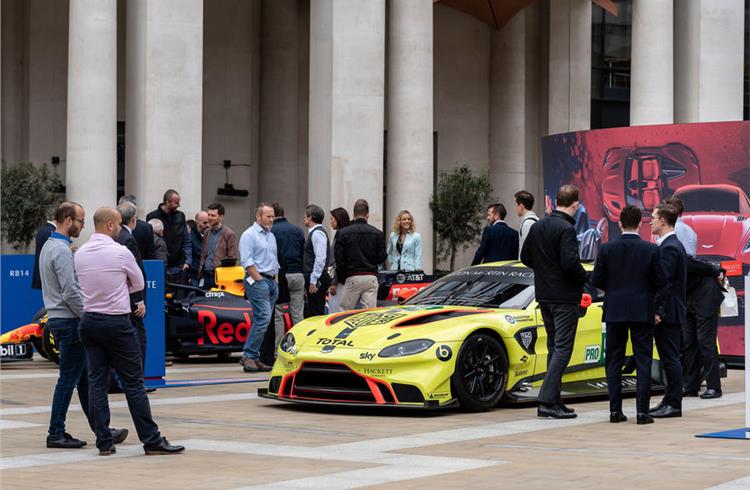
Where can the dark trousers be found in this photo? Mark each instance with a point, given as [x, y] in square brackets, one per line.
[316, 303]
[560, 322]
[209, 279]
[72, 373]
[110, 342]
[140, 331]
[668, 338]
[699, 354]
[642, 338]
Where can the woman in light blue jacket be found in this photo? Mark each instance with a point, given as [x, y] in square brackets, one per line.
[404, 244]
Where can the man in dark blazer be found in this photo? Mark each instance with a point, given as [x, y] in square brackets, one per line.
[42, 234]
[499, 241]
[699, 353]
[137, 299]
[629, 271]
[670, 309]
[143, 233]
[551, 249]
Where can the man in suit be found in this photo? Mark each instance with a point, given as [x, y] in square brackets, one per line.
[137, 299]
[670, 309]
[629, 271]
[499, 241]
[42, 234]
[699, 353]
[551, 249]
[143, 232]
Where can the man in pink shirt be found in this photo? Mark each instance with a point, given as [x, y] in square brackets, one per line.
[108, 273]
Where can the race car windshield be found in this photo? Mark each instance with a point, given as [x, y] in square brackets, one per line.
[710, 201]
[481, 291]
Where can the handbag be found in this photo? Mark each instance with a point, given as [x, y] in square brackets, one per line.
[729, 307]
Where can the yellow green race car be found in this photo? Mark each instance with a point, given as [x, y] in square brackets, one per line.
[471, 338]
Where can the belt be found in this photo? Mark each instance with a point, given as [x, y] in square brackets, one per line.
[267, 276]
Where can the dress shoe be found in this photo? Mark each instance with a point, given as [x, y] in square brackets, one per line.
[658, 407]
[689, 393]
[65, 441]
[107, 452]
[164, 447]
[565, 408]
[709, 393]
[263, 367]
[553, 411]
[250, 366]
[643, 419]
[616, 417]
[118, 435]
[666, 412]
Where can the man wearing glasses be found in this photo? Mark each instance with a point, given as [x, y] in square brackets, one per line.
[64, 305]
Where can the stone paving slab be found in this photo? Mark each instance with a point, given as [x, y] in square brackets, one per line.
[236, 440]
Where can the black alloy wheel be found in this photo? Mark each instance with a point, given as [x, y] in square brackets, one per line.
[481, 373]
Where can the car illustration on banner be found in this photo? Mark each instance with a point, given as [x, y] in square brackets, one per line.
[472, 338]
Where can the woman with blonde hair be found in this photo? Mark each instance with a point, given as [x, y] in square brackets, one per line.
[404, 244]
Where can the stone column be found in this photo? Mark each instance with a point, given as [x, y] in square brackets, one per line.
[708, 60]
[91, 174]
[347, 80]
[410, 117]
[508, 117]
[652, 65]
[164, 107]
[279, 108]
[569, 66]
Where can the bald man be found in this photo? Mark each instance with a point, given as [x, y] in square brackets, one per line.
[108, 273]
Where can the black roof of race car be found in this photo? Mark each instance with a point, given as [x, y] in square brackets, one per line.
[512, 271]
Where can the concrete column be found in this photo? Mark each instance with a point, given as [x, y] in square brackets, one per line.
[279, 108]
[708, 45]
[91, 176]
[410, 117]
[15, 81]
[569, 66]
[231, 93]
[508, 118]
[652, 65]
[347, 79]
[164, 101]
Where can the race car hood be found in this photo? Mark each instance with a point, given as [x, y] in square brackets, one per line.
[376, 328]
[719, 233]
[22, 334]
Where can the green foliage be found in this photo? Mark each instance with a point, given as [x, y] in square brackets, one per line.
[458, 209]
[28, 199]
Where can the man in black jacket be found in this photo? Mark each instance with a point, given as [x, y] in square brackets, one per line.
[175, 234]
[42, 234]
[137, 299]
[551, 249]
[499, 241]
[360, 248]
[629, 271]
[143, 232]
[670, 309]
[699, 353]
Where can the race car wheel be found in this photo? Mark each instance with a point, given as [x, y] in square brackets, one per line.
[49, 347]
[481, 373]
[37, 342]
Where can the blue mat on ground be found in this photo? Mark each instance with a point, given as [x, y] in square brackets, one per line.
[728, 434]
[181, 383]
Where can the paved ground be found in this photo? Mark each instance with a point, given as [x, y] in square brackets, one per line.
[236, 440]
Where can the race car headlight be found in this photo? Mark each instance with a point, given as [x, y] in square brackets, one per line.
[747, 246]
[408, 348]
[288, 343]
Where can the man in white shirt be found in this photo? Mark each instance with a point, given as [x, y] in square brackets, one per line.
[316, 260]
[527, 217]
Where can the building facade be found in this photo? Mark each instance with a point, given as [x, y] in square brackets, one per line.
[327, 101]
